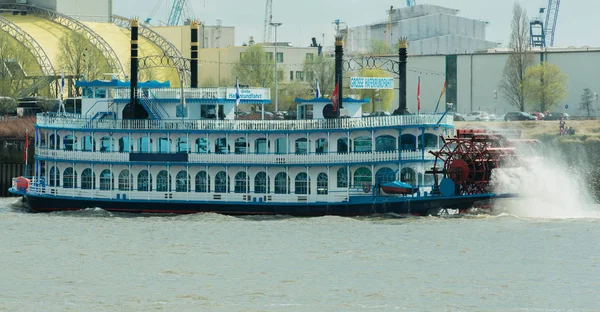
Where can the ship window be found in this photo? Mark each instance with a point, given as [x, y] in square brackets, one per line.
[363, 144]
[88, 179]
[144, 181]
[342, 145]
[281, 146]
[164, 145]
[322, 184]
[408, 142]
[124, 145]
[163, 181]
[201, 146]
[241, 182]
[88, 93]
[431, 141]
[408, 175]
[54, 177]
[69, 178]
[322, 146]
[125, 180]
[282, 183]
[101, 93]
[106, 180]
[54, 141]
[261, 183]
[182, 182]
[342, 177]
[385, 175]
[106, 144]
[301, 146]
[202, 182]
[182, 145]
[241, 146]
[144, 145]
[87, 144]
[69, 142]
[385, 143]
[362, 176]
[221, 182]
[260, 146]
[302, 185]
[221, 146]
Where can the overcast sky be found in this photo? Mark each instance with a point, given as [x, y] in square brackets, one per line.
[303, 19]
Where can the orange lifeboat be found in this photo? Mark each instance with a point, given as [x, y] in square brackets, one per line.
[22, 184]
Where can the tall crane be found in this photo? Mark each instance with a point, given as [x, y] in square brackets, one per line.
[410, 3]
[390, 24]
[551, 19]
[268, 19]
[176, 11]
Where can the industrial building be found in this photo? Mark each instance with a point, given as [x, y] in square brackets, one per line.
[430, 29]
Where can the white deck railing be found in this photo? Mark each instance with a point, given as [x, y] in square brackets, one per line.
[250, 159]
[78, 122]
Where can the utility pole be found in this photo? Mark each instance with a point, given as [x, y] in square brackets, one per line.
[275, 25]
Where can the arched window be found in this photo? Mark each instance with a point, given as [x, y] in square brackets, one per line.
[124, 146]
[342, 177]
[408, 142]
[201, 146]
[163, 181]
[164, 145]
[54, 142]
[301, 146]
[431, 141]
[281, 146]
[261, 183]
[409, 176]
[342, 146]
[221, 146]
[88, 145]
[106, 180]
[182, 145]
[144, 181]
[106, 144]
[144, 145]
[69, 142]
[88, 179]
[69, 178]
[321, 146]
[241, 182]
[385, 175]
[182, 181]
[385, 143]
[363, 144]
[54, 177]
[322, 184]
[125, 180]
[221, 182]
[282, 183]
[241, 146]
[261, 146]
[362, 176]
[202, 182]
[302, 183]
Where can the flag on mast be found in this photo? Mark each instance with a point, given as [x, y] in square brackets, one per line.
[419, 95]
[26, 154]
[334, 96]
[62, 82]
[318, 90]
[237, 92]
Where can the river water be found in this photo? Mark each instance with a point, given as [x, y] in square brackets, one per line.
[93, 260]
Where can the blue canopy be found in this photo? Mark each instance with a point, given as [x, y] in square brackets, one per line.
[122, 84]
[326, 100]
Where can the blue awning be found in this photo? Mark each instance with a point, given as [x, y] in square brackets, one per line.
[326, 100]
[153, 84]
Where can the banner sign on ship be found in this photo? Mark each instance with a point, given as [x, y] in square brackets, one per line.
[371, 83]
[247, 94]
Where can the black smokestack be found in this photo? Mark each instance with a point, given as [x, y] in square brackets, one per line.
[134, 65]
[339, 56]
[194, 55]
[402, 46]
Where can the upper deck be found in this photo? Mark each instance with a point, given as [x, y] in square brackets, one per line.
[82, 123]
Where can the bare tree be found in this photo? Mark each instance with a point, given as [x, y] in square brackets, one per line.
[520, 58]
[320, 68]
[587, 101]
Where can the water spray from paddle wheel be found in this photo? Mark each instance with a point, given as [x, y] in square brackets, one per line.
[469, 159]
